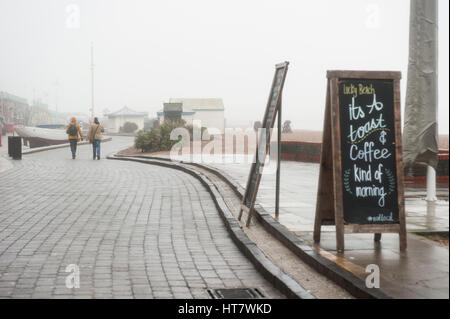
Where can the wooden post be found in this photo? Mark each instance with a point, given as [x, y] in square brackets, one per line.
[337, 167]
[325, 191]
[277, 194]
[377, 237]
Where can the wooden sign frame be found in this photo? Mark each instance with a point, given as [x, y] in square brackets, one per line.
[329, 205]
[249, 198]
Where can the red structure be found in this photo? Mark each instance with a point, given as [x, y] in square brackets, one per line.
[14, 110]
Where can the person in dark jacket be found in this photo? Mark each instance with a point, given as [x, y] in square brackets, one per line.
[95, 137]
[74, 132]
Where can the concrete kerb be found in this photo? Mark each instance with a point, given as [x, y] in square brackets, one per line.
[54, 147]
[282, 281]
[344, 278]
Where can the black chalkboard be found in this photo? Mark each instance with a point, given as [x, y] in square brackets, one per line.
[368, 151]
[361, 171]
[267, 124]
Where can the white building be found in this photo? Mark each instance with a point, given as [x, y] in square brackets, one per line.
[209, 111]
[117, 119]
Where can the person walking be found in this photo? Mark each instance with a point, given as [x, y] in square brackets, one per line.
[95, 137]
[74, 132]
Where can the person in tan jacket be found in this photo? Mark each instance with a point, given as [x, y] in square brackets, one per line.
[74, 132]
[95, 137]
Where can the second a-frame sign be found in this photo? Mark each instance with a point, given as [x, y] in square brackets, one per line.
[254, 177]
[361, 172]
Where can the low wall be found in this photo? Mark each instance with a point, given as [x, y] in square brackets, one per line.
[310, 152]
[300, 151]
[418, 172]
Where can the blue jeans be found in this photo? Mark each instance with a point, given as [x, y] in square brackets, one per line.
[73, 146]
[96, 148]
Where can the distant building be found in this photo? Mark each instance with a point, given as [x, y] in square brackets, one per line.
[209, 111]
[13, 110]
[173, 111]
[117, 119]
[40, 114]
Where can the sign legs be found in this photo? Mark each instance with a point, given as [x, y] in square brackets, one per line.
[402, 235]
[377, 237]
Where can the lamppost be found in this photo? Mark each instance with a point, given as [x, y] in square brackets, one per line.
[92, 81]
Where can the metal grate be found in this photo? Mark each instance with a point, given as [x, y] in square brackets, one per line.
[235, 293]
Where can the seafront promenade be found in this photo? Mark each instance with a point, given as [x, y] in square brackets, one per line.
[420, 272]
[146, 231]
[134, 231]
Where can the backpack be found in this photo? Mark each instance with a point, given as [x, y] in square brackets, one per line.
[92, 137]
[73, 130]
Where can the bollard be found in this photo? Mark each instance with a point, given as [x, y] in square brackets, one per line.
[16, 147]
[9, 145]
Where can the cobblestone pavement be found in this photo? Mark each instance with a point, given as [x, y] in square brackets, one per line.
[134, 230]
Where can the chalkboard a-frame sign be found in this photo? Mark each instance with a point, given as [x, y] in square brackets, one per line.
[254, 177]
[361, 173]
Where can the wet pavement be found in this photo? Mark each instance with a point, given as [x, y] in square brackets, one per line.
[298, 192]
[4, 162]
[420, 272]
[134, 231]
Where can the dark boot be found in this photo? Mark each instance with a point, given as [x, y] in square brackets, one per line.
[98, 157]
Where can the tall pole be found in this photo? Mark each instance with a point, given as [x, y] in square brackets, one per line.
[431, 184]
[92, 80]
[420, 133]
[431, 171]
[56, 95]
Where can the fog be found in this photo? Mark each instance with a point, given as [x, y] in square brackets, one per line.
[146, 52]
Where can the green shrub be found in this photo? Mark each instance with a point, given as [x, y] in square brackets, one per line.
[156, 139]
[129, 127]
[141, 140]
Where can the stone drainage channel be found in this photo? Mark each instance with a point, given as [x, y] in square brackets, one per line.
[296, 269]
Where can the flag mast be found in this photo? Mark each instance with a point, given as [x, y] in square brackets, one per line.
[92, 81]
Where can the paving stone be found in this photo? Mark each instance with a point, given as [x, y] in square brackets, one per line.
[134, 230]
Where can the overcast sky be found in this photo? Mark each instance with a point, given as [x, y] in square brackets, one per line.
[149, 51]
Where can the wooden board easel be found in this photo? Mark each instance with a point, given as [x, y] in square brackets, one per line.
[334, 183]
[272, 109]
